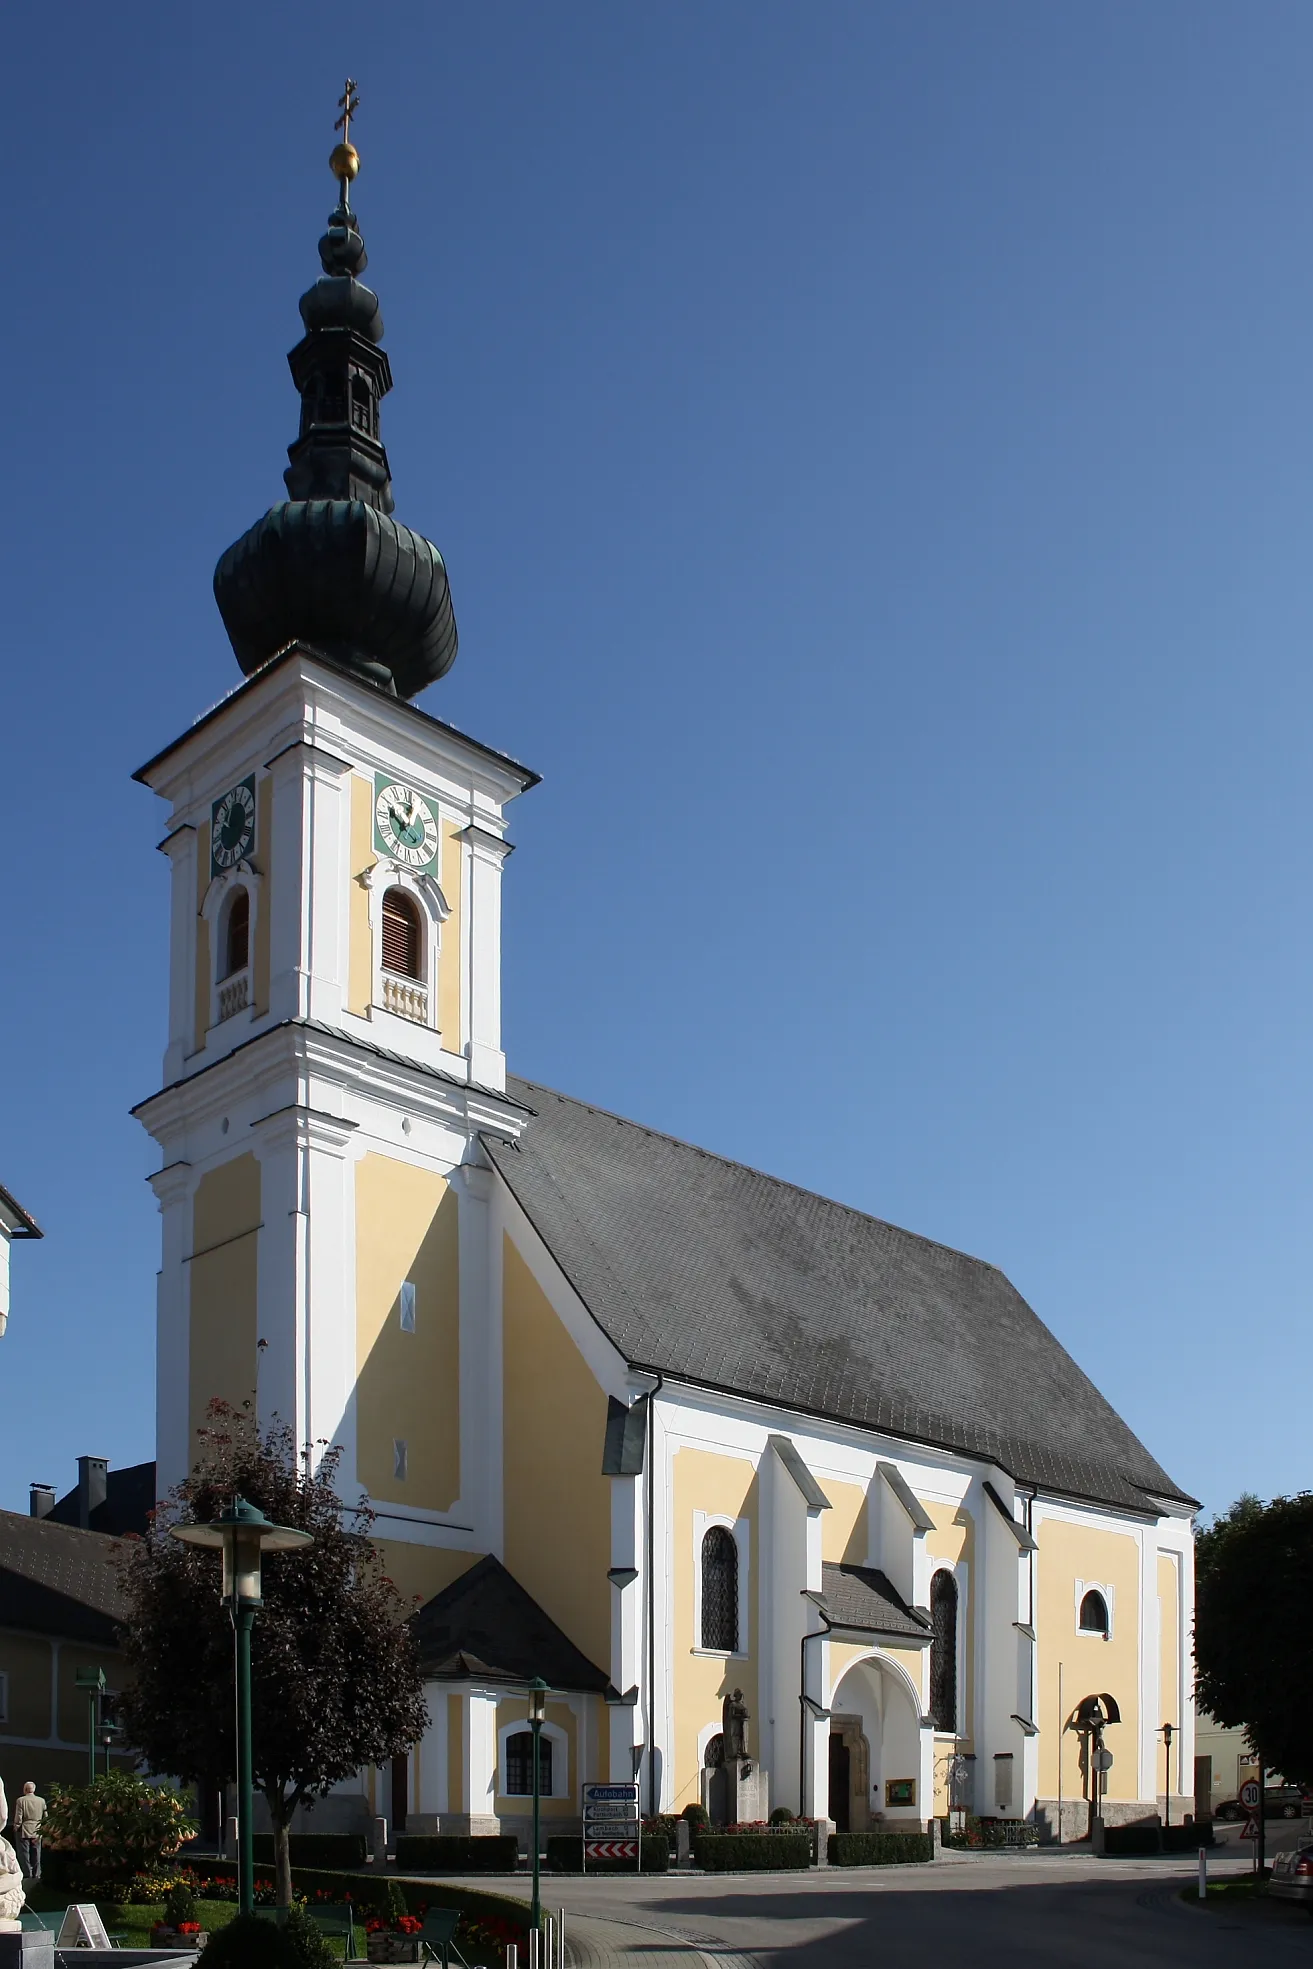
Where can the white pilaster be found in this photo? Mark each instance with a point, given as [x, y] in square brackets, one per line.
[173, 1192]
[180, 847]
[486, 852]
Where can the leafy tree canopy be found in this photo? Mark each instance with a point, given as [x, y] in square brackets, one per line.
[1254, 1627]
[335, 1675]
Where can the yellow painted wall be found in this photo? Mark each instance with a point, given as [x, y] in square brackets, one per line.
[222, 1275]
[557, 1502]
[723, 1486]
[202, 1010]
[512, 1710]
[25, 1661]
[843, 1526]
[1090, 1665]
[449, 955]
[360, 947]
[408, 1384]
[455, 1754]
[262, 863]
[420, 1571]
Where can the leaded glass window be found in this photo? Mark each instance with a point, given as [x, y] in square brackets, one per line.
[519, 1765]
[943, 1651]
[720, 1591]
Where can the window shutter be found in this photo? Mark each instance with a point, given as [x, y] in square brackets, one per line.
[401, 935]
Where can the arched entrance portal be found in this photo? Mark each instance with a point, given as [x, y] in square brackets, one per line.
[875, 1749]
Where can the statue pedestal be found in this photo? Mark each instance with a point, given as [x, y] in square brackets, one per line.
[747, 1790]
[30, 1951]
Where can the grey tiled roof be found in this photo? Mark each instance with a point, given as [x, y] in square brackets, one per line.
[862, 1597]
[486, 1624]
[56, 1579]
[710, 1271]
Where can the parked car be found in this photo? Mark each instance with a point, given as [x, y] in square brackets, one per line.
[1280, 1801]
[1292, 1876]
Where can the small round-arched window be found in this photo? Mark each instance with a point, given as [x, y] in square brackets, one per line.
[237, 934]
[403, 935]
[1094, 1614]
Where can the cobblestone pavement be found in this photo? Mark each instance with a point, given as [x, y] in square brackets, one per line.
[1005, 1912]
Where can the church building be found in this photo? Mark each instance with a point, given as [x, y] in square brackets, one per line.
[788, 1506]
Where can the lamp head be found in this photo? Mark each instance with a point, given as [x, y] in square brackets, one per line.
[242, 1533]
[537, 1700]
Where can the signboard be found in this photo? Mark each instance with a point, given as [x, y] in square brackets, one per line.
[1250, 1829]
[1103, 1760]
[82, 1928]
[612, 1826]
[1250, 1794]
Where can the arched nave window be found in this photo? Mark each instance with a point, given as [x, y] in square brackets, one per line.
[519, 1765]
[720, 1591]
[403, 935]
[943, 1651]
[1094, 1614]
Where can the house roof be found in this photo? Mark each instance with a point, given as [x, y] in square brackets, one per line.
[14, 1220]
[55, 1579]
[864, 1598]
[485, 1625]
[703, 1269]
[129, 1501]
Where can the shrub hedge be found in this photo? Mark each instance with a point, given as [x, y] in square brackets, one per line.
[434, 1852]
[565, 1854]
[334, 1849]
[373, 1895]
[752, 1852]
[879, 1848]
[1187, 1838]
[1128, 1840]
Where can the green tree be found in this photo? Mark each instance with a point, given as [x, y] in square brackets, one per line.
[335, 1673]
[1254, 1627]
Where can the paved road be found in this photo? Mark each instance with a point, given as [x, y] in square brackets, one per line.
[1004, 1912]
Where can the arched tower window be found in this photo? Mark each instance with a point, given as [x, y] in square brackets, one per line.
[237, 934]
[943, 1651]
[362, 409]
[1094, 1614]
[720, 1591]
[403, 935]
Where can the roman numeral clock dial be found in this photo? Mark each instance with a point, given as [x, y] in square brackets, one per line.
[404, 823]
[232, 826]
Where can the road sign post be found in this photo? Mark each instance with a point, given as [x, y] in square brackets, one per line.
[612, 1826]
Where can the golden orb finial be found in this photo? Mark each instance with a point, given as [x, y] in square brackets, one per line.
[344, 162]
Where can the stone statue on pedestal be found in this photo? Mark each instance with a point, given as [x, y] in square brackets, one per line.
[734, 1727]
[12, 1895]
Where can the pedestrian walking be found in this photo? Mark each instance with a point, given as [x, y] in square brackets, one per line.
[29, 1810]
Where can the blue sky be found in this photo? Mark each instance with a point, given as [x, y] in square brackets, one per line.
[870, 445]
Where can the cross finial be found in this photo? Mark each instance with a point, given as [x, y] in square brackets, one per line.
[348, 102]
[345, 160]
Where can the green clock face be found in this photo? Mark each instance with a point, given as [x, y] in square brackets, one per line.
[232, 826]
[404, 825]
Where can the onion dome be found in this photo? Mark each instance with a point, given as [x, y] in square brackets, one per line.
[330, 567]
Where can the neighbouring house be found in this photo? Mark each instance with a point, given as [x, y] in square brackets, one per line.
[59, 1605]
[789, 1505]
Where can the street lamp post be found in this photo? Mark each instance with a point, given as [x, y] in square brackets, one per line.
[243, 1534]
[1167, 1780]
[93, 1681]
[537, 1711]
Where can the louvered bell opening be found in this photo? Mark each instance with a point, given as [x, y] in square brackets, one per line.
[238, 945]
[402, 946]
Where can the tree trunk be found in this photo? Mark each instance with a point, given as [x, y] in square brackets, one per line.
[280, 1812]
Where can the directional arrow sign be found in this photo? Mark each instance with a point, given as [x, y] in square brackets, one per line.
[611, 1849]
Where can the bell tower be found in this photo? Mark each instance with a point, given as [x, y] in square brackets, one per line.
[334, 1050]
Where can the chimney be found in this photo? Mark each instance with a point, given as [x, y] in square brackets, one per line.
[41, 1500]
[93, 1487]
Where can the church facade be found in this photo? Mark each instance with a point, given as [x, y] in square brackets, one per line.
[788, 1506]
